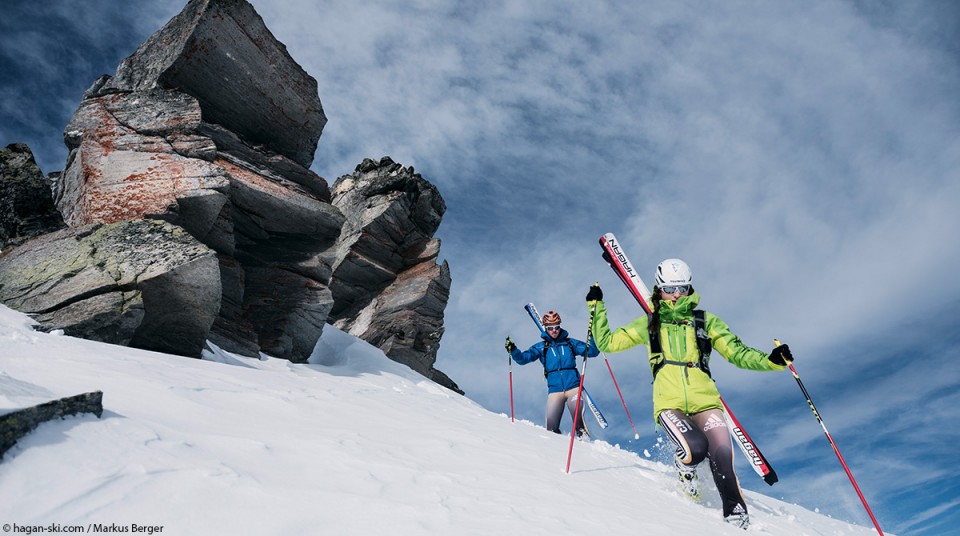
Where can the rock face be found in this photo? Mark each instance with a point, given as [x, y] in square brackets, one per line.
[211, 126]
[222, 53]
[387, 287]
[168, 138]
[26, 208]
[143, 283]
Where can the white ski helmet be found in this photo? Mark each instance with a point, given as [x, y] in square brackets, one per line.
[672, 272]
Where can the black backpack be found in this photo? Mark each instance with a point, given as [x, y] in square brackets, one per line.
[546, 344]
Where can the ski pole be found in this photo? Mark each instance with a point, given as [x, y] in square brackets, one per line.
[833, 444]
[510, 367]
[576, 414]
[636, 435]
[583, 374]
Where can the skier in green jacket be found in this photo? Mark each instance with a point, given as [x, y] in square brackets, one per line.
[686, 402]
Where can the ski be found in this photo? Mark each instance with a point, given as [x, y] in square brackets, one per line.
[601, 420]
[760, 464]
[614, 255]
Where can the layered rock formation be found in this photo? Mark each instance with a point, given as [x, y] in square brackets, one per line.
[144, 283]
[387, 287]
[196, 129]
[211, 126]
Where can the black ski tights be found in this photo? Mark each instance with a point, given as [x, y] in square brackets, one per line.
[703, 435]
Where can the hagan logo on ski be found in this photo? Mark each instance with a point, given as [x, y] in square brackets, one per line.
[617, 259]
[614, 255]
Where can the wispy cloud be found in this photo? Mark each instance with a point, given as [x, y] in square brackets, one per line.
[802, 158]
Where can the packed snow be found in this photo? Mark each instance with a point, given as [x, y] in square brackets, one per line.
[351, 443]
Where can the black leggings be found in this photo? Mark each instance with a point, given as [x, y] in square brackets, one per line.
[703, 435]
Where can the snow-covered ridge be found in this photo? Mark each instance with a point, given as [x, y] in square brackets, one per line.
[352, 443]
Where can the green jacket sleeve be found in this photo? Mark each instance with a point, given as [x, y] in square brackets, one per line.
[633, 334]
[733, 349]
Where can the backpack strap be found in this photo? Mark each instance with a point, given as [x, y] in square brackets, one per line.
[703, 340]
[572, 350]
[653, 329]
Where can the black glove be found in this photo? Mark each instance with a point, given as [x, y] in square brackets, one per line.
[509, 345]
[595, 294]
[781, 355]
[606, 257]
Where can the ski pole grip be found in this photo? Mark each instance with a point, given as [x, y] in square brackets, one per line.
[776, 342]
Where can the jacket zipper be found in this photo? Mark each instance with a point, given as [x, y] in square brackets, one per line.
[678, 342]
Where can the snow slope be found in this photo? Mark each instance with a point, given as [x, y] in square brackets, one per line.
[352, 443]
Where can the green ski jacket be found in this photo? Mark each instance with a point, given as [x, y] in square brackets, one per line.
[686, 388]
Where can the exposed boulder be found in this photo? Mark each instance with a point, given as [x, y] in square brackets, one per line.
[26, 202]
[387, 287]
[142, 283]
[18, 423]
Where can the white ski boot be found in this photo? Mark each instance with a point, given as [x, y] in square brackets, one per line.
[739, 518]
[688, 480]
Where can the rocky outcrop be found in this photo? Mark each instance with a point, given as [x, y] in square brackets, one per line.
[386, 284]
[211, 126]
[221, 52]
[142, 283]
[18, 423]
[168, 138]
[26, 207]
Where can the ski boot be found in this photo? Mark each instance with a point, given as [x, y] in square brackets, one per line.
[688, 480]
[739, 518]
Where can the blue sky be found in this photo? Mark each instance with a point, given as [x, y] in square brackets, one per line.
[802, 158]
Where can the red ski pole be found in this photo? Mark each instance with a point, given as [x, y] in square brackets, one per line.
[510, 367]
[576, 415]
[636, 435]
[832, 443]
[511, 391]
[583, 373]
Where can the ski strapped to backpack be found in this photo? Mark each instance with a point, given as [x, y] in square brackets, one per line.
[621, 265]
[535, 316]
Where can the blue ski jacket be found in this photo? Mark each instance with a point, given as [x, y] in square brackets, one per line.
[559, 359]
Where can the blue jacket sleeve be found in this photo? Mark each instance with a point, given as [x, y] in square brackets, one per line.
[534, 353]
[584, 350]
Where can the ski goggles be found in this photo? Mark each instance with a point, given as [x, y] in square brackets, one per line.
[551, 328]
[682, 289]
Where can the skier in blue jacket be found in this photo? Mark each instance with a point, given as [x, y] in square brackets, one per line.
[558, 354]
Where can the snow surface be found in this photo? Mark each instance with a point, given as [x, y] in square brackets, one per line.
[352, 443]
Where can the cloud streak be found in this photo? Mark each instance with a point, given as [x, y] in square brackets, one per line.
[802, 159]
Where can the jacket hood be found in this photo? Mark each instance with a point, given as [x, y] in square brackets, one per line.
[681, 310]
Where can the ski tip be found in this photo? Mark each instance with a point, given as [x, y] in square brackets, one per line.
[771, 477]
